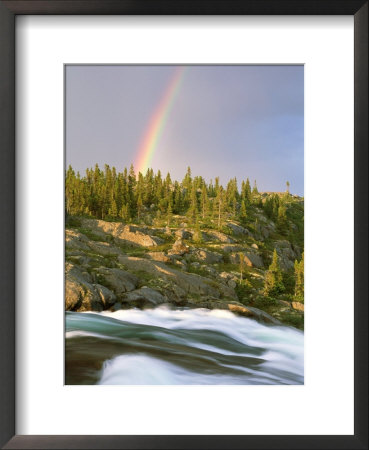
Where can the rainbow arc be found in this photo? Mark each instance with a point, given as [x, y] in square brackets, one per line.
[157, 122]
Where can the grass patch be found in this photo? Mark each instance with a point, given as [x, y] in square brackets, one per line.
[143, 277]
[132, 250]
[197, 270]
[227, 267]
[159, 248]
[97, 260]
[91, 235]
[165, 237]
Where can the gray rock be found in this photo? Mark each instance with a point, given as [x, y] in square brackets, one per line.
[127, 233]
[225, 275]
[208, 257]
[218, 236]
[144, 295]
[107, 297]
[237, 229]
[80, 294]
[117, 306]
[211, 270]
[232, 284]
[75, 240]
[252, 259]
[159, 256]
[298, 306]
[117, 280]
[103, 248]
[180, 264]
[286, 254]
[179, 248]
[189, 282]
[183, 234]
[254, 313]
[249, 258]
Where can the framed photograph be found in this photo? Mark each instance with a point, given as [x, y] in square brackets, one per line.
[185, 224]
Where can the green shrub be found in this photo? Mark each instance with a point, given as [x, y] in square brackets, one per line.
[73, 222]
[264, 302]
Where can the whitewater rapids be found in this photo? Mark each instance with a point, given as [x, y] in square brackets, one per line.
[182, 347]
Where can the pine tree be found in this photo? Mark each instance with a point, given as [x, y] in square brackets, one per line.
[255, 189]
[286, 195]
[69, 190]
[242, 265]
[246, 192]
[187, 187]
[273, 283]
[197, 236]
[220, 205]
[132, 190]
[243, 212]
[158, 217]
[178, 203]
[139, 206]
[204, 201]
[124, 213]
[113, 212]
[232, 195]
[282, 223]
[299, 279]
[192, 212]
[169, 214]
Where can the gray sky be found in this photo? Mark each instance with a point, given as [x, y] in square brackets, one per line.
[227, 121]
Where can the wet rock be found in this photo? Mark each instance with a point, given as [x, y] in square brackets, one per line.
[107, 297]
[80, 294]
[253, 313]
[144, 296]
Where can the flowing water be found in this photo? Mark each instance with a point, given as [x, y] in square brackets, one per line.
[182, 346]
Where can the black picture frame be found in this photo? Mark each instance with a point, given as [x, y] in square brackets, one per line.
[8, 12]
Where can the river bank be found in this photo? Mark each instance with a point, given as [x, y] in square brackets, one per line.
[114, 266]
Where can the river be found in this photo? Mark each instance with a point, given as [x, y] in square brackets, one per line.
[181, 346]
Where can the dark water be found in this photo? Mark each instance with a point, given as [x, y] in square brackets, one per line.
[193, 346]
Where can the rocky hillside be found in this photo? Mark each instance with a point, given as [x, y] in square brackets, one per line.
[114, 265]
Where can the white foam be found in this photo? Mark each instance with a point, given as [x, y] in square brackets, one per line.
[279, 348]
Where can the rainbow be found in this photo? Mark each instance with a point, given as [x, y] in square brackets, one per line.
[157, 122]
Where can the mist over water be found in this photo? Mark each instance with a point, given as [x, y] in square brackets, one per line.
[183, 346]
